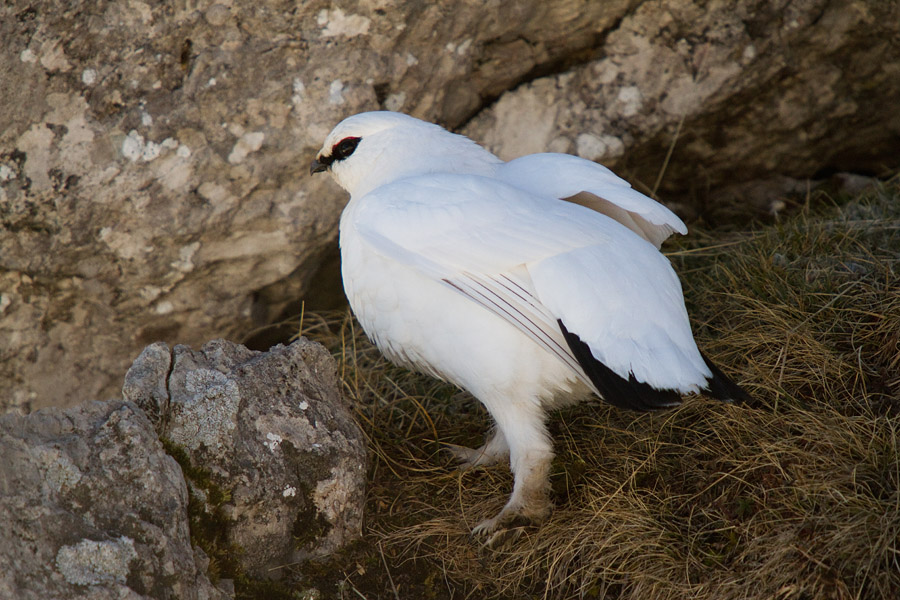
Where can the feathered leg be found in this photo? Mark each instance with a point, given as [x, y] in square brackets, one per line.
[530, 455]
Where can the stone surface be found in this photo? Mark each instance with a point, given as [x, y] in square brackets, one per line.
[153, 158]
[747, 90]
[153, 155]
[273, 456]
[92, 507]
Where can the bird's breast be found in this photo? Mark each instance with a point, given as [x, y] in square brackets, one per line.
[389, 300]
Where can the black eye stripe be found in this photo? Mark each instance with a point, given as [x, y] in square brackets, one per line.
[344, 148]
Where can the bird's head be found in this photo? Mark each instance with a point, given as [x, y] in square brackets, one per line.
[373, 148]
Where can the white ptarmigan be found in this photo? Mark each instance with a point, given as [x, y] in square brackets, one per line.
[529, 283]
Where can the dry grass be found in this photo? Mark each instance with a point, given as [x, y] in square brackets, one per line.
[796, 497]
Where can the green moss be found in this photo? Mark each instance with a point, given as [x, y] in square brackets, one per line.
[208, 523]
[210, 526]
[310, 525]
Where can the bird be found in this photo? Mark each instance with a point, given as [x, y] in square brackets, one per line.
[532, 284]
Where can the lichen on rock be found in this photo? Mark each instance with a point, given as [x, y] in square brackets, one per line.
[266, 444]
[92, 507]
[96, 563]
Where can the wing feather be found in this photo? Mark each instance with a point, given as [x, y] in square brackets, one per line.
[503, 296]
[594, 186]
[537, 261]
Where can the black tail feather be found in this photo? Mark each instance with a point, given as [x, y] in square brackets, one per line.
[618, 391]
[721, 387]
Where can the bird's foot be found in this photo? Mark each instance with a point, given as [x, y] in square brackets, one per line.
[494, 450]
[510, 522]
[469, 458]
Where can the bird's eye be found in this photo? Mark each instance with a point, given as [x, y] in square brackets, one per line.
[344, 148]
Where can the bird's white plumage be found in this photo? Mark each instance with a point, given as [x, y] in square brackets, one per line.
[531, 261]
[596, 187]
[463, 266]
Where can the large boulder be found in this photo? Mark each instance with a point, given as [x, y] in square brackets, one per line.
[273, 457]
[153, 155]
[92, 507]
[153, 159]
[712, 94]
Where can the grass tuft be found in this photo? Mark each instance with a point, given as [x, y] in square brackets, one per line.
[796, 496]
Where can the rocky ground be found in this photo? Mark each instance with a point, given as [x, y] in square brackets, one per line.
[154, 196]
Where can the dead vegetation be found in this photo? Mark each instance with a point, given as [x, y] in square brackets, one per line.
[794, 497]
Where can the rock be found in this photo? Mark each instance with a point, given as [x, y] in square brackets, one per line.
[153, 157]
[92, 507]
[773, 194]
[270, 451]
[744, 91]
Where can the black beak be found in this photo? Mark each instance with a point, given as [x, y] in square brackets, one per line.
[317, 167]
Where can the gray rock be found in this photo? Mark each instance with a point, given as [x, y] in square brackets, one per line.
[744, 90]
[270, 451]
[153, 156]
[92, 507]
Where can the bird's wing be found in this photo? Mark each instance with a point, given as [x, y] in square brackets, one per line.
[592, 185]
[539, 263]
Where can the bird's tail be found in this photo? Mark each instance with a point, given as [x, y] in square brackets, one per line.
[613, 388]
[721, 387]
